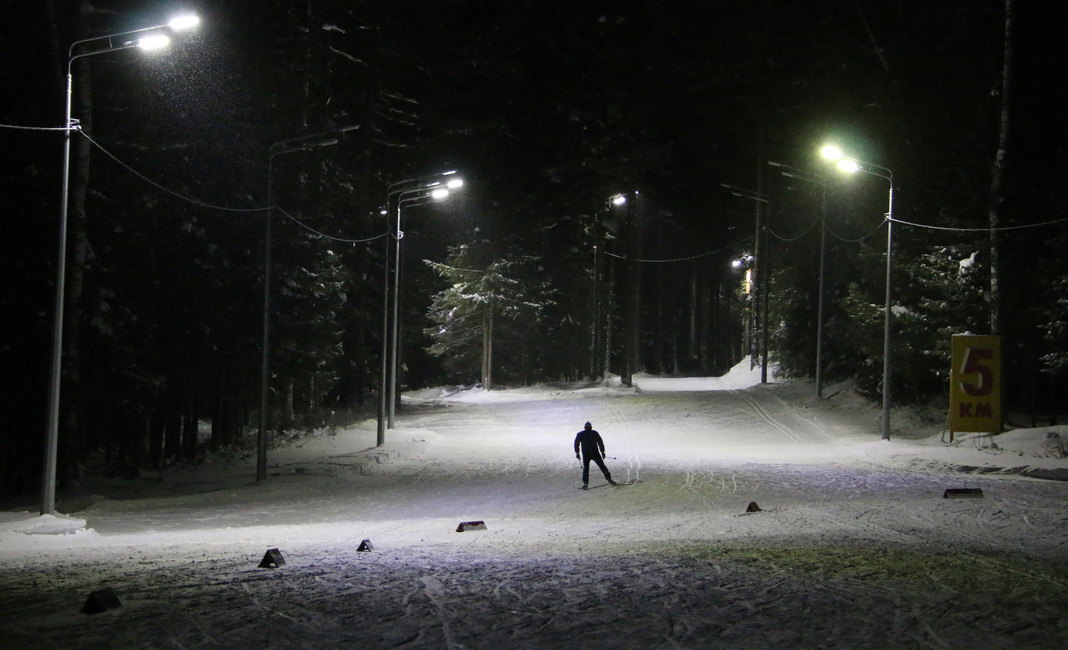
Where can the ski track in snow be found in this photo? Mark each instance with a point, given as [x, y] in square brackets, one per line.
[849, 550]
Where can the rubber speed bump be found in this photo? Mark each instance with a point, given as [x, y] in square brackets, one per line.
[963, 493]
[272, 559]
[101, 601]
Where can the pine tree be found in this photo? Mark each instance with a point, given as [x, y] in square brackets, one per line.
[465, 313]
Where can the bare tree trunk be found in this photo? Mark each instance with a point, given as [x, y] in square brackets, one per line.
[693, 349]
[189, 419]
[487, 347]
[997, 177]
[607, 366]
[288, 412]
[595, 330]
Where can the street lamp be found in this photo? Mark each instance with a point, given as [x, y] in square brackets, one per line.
[413, 191]
[761, 268]
[628, 290]
[292, 145]
[147, 38]
[600, 343]
[819, 181]
[849, 165]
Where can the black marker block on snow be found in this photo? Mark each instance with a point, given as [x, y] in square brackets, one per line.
[101, 601]
[752, 507]
[963, 493]
[272, 559]
[471, 525]
[366, 545]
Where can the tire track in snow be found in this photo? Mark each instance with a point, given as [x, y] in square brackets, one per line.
[631, 459]
[759, 410]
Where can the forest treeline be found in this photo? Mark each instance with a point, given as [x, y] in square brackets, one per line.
[642, 193]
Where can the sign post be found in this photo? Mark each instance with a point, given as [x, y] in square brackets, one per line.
[975, 384]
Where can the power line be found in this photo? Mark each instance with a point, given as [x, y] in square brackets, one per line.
[679, 259]
[305, 226]
[849, 240]
[1001, 229]
[18, 127]
[807, 230]
[153, 183]
[195, 201]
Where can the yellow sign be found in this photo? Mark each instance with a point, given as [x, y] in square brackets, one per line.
[975, 384]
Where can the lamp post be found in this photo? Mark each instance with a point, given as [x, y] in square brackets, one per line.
[601, 334]
[147, 38]
[761, 268]
[849, 165]
[628, 288]
[600, 346]
[301, 143]
[820, 182]
[413, 191]
[746, 265]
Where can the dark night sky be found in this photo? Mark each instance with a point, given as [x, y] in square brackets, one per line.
[549, 107]
[671, 93]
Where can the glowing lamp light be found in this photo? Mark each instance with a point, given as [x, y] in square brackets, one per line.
[154, 42]
[183, 22]
[619, 199]
[847, 166]
[439, 193]
[831, 152]
[834, 154]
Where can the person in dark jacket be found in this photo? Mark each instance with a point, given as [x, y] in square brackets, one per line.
[589, 441]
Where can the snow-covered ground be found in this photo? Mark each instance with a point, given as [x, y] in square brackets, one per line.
[853, 545]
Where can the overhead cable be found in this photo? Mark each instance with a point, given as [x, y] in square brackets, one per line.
[999, 229]
[679, 259]
[305, 226]
[153, 183]
[17, 127]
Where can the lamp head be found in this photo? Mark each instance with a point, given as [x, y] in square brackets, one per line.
[184, 22]
[847, 166]
[831, 152]
[439, 193]
[153, 42]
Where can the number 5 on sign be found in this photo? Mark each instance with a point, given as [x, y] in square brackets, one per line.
[975, 384]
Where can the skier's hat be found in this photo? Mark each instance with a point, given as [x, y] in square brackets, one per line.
[588, 425]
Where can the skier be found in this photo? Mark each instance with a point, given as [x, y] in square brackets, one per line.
[592, 449]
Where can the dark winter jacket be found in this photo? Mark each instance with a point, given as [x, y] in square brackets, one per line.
[590, 442]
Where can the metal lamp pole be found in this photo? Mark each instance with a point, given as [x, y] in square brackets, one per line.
[849, 166]
[412, 198]
[822, 292]
[152, 38]
[888, 315]
[820, 182]
[301, 143]
[761, 269]
[406, 192]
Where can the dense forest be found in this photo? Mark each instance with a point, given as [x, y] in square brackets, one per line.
[641, 192]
